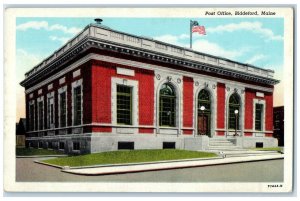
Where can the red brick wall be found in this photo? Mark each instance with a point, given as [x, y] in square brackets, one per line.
[249, 96]
[87, 91]
[146, 99]
[269, 112]
[101, 93]
[220, 107]
[188, 103]
[102, 72]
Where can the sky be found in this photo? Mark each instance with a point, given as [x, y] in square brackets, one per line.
[256, 41]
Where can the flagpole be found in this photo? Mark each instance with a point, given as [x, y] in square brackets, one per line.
[191, 35]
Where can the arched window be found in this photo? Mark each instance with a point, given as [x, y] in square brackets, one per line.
[204, 112]
[204, 100]
[167, 105]
[233, 118]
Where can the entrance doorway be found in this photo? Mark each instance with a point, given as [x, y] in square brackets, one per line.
[204, 112]
[203, 125]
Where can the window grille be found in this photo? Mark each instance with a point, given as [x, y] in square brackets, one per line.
[63, 109]
[233, 119]
[124, 105]
[167, 106]
[77, 105]
[258, 116]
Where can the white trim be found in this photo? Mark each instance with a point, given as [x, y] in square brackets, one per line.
[125, 71]
[60, 91]
[62, 80]
[260, 94]
[40, 99]
[135, 103]
[50, 86]
[40, 91]
[50, 96]
[262, 102]
[254, 131]
[93, 56]
[76, 73]
[74, 85]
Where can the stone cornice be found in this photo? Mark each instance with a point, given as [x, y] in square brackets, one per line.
[85, 40]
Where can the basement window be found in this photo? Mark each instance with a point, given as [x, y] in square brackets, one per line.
[76, 146]
[259, 144]
[169, 145]
[50, 146]
[61, 145]
[125, 145]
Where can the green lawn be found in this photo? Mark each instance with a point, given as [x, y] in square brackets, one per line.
[33, 152]
[279, 149]
[128, 156]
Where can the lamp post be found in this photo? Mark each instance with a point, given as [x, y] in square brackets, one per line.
[202, 108]
[236, 112]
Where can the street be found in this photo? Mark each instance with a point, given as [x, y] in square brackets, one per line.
[262, 171]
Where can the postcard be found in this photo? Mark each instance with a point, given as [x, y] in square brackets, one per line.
[145, 99]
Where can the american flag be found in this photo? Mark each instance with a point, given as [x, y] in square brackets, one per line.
[199, 29]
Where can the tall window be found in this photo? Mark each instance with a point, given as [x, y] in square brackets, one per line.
[40, 115]
[31, 117]
[50, 112]
[233, 118]
[77, 105]
[258, 116]
[124, 105]
[167, 105]
[63, 109]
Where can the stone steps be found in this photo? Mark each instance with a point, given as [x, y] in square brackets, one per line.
[228, 149]
[219, 144]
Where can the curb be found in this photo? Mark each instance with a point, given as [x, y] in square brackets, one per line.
[127, 164]
[41, 156]
[48, 164]
[167, 166]
[145, 163]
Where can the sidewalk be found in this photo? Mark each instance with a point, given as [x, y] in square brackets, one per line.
[163, 165]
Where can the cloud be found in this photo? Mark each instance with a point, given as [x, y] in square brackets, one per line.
[214, 49]
[255, 27]
[63, 40]
[256, 58]
[33, 25]
[44, 25]
[202, 45]
[26, 60]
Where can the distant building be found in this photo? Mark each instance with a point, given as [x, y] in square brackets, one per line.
[107, 90]
[21, 132]
[278, 113]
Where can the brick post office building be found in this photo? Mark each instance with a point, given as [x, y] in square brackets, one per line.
[108, 90]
